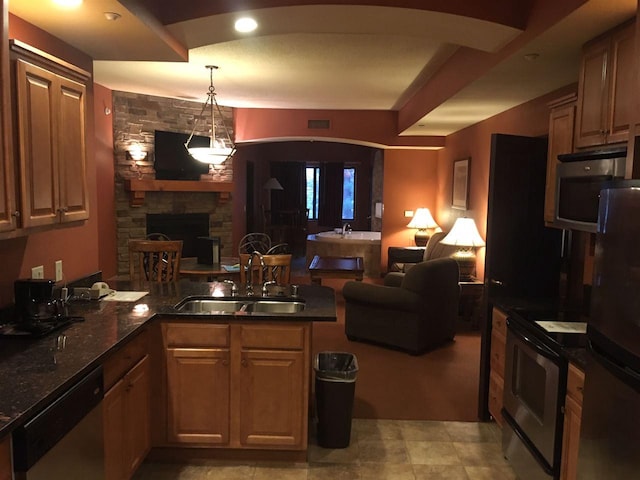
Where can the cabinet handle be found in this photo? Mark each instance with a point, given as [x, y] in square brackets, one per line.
[225, 362]
[16, 214]
[244, 362]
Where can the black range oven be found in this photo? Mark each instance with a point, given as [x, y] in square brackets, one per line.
[535, 383]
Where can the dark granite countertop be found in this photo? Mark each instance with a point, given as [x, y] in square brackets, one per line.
[576, 355]
[36, 371]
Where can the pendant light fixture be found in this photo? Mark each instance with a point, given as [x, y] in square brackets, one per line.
[219, 149]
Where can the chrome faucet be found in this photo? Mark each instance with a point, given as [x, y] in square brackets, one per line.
[249, 286]
[234, 287]
[346, 229]
[265, 290]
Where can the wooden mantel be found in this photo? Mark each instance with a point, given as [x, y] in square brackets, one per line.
[137, 188]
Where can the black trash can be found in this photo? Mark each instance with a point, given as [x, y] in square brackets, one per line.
[335, 388]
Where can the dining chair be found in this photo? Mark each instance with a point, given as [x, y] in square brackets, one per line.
[273, 268]
[155, 260]
[278, 268]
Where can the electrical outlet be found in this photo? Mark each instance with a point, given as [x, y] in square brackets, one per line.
[37, 272]
[58, 270]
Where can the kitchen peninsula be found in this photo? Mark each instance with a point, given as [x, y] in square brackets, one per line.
[212, 383]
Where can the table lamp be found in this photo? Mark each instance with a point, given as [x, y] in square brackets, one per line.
[465, 235]
[423, 221]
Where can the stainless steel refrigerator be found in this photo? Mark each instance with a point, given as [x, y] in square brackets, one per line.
[610, 430]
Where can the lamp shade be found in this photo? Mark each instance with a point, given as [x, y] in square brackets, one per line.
[464, 234]
[272, 184]
[422, 219]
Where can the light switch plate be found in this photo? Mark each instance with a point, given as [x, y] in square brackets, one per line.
[37, 272]
[58, 270]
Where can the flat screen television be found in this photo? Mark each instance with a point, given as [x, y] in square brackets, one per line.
[172, 160]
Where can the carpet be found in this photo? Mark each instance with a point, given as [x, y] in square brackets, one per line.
[438, 385]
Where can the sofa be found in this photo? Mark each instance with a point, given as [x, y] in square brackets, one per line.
[414, 311]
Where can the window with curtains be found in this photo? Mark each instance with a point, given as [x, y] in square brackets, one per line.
[314, 192]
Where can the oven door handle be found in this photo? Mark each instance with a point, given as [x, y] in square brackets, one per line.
[534, 343]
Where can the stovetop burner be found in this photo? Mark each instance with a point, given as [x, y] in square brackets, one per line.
[36, 328]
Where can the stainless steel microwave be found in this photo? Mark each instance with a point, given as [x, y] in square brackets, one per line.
[579, 178]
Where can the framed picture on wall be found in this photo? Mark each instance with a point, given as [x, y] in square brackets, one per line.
[460, 187]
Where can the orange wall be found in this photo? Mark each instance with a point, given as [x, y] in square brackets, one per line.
[529, 119]
[410, 181]
[372, 128]
[76, 246]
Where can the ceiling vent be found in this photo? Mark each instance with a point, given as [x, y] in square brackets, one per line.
[318, 124]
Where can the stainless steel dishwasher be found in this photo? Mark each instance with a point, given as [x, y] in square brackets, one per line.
[65, 440]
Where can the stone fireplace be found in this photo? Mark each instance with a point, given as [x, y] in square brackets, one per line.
[186, 227]
[136, 117]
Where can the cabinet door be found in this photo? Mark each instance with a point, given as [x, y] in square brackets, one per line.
[72, 150]
[272, 406]
[198, 395]
[137, 410]
[8, 220]
[5, 459]
[127, 436]
[39, 184]
[496, 362]
[113, 408]
[592, 95]
[622, 85]
[570, 439]
[561, 124]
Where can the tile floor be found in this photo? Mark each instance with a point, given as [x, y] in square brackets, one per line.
[379, 450]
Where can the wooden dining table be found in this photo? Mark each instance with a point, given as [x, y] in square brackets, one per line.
[190, 267]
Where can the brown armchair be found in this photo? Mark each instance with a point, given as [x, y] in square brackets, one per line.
[415, 311]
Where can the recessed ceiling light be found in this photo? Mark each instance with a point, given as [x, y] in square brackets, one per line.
[111, 16]
[68, 3]
[246, 24]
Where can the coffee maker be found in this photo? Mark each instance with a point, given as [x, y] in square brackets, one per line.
[34, 300]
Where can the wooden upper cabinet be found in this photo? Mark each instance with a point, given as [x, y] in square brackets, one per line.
[622, 85]
[8, 213]
[38, 161]
[561, 126]
[51, 120]
[605, 90]
[72, 148]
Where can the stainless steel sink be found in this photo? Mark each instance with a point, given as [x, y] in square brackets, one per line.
[210, 306]
[215, 305]
[274, 306]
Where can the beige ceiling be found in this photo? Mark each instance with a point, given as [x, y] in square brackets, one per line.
[330, 56]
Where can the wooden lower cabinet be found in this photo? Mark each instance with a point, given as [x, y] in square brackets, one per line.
[6, 470]
[126, 421]
[198, 395]
[497, 360]
[240, 386]
[572, 420]
[271, 404]
[126, 409]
